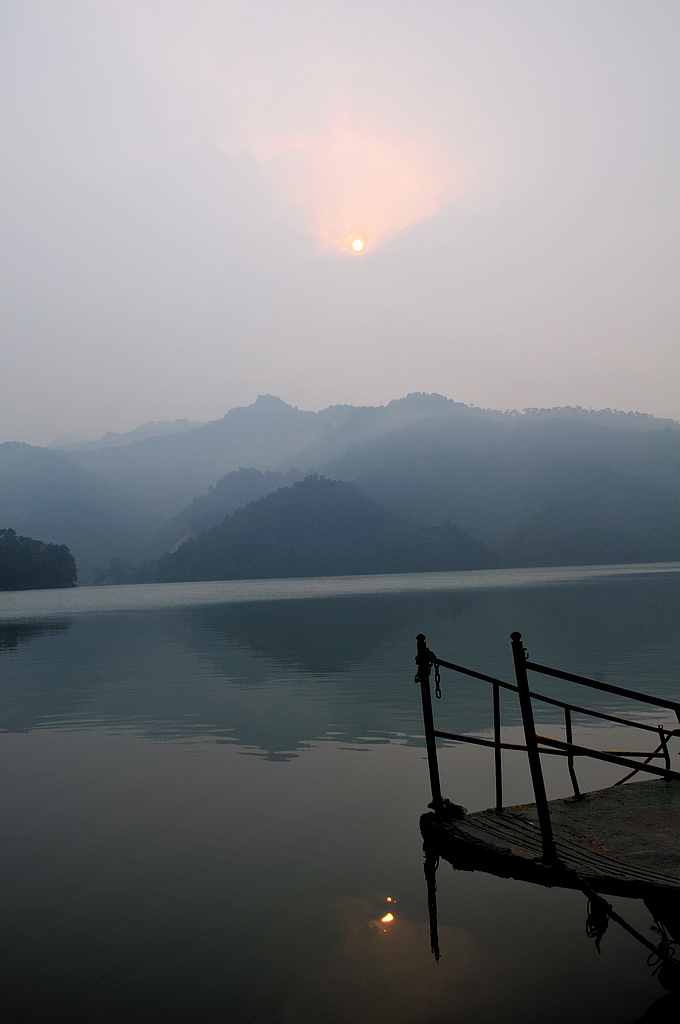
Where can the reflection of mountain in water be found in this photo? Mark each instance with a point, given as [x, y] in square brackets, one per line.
[343, 666]
[14, 633]
[274, 676]
[270, 675]
[328, 636]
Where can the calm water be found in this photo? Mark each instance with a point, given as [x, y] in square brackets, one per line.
[210, 790]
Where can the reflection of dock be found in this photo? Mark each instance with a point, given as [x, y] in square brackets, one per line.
[620, 841]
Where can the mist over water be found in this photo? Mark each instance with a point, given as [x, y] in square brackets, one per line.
[208, 804]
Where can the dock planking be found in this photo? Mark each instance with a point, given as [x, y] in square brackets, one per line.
[624, 840]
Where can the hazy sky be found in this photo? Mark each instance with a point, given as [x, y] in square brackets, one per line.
[183, 183]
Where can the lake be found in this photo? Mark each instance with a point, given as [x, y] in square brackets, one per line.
[211, 790]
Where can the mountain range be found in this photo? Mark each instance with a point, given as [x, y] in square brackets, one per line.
[544, 486]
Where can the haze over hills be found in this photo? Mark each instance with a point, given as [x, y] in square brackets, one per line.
[560, 486]
[232, 491]
[584, 492]
[165, 473]
[74, 442]
[45, 494]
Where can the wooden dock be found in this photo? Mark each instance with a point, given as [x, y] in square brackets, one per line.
[622, 841]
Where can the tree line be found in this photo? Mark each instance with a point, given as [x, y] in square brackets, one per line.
[27, 564]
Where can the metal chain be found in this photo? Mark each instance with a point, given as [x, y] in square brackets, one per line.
[597, 920]
[437, 678]
[666, 947]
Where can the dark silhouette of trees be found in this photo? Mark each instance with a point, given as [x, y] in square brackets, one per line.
[320, 527]
[27, 564]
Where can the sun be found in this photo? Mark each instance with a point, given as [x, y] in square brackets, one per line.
[353, 242]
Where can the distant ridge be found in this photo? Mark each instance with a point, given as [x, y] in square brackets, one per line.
[164, 473]
[428, 403]
[74, 442]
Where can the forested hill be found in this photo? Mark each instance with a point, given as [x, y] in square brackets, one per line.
[27, 564]
[320, 527]
[539, 490]
[232, 491]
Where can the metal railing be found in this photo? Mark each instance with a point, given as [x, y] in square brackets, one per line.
[535, 744]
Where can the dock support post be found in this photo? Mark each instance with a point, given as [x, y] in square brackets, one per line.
[430, 868]
[547, 839]
[423, 677]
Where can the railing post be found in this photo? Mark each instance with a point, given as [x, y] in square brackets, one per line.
[547, 839]
[570, 757]
[664, 747]
[497, 746]
[423, 677]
